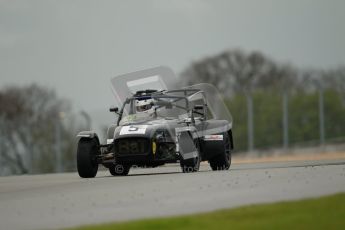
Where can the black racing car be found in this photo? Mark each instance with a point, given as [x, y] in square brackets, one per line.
[159, 127]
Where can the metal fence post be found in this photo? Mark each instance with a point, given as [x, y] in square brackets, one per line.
[285, 120]
[250, 122]
[87, 119]
[321, 115]
[1, 143]
[57, 147]
[30, 151]
[58, 144]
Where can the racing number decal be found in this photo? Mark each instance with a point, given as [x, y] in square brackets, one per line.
[133, 129]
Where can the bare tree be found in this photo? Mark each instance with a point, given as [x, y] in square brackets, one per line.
[29, 116]
[235, 71]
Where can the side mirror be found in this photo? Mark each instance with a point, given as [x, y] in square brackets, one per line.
[198, 107]
[114, 109]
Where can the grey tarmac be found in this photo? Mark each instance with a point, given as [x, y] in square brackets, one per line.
[55, 201]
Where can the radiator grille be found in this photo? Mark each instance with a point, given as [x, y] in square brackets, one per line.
[132, 146]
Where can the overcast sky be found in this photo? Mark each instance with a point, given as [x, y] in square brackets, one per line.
[77, 46]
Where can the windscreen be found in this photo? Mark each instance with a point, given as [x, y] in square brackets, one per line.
[154, 107]
[215, 103]
[126, 85]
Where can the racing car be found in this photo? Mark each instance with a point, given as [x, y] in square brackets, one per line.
[156, 127]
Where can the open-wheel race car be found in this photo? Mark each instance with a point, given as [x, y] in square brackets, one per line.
[158, 125]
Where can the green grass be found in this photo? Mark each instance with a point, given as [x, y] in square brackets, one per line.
[321, 213]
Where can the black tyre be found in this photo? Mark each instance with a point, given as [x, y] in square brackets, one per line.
[223, 160]
[86, 157]
[119, 170]
[193, 164]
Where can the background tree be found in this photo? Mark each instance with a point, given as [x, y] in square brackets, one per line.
[273, 88]
[31, 117]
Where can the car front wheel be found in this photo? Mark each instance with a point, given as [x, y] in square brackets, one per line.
[119, 170]
[86, 157]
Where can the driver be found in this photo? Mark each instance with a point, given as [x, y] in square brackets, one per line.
[144, 106]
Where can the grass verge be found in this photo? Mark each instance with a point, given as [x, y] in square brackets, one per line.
[320, 213]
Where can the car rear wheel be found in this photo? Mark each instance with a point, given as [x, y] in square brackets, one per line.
[86, 157]
[119, 170]
[223, 160]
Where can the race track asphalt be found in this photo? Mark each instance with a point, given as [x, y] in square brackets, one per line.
[55, 201]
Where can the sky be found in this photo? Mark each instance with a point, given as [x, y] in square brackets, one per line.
[75, 47]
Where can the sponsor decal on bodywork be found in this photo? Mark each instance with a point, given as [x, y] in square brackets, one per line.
[213, 137]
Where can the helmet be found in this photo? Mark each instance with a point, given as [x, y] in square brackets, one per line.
[144, 105]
